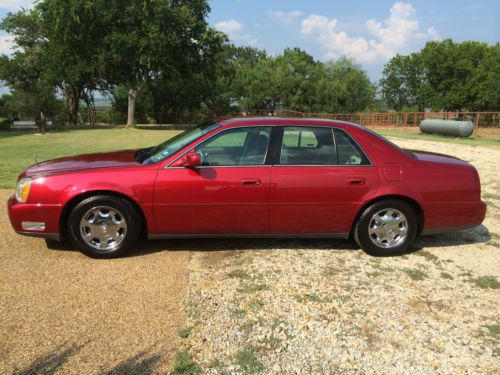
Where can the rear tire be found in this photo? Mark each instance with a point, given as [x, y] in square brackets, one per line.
[386, 228]
[104, 226]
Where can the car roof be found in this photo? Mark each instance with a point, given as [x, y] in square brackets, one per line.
[302, 121]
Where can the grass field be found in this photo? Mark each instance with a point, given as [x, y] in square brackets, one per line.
[17, 149]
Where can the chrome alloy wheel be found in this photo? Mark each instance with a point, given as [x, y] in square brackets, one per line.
[388, 228]
[103, 228]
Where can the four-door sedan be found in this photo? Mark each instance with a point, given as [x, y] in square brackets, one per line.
[265, 177]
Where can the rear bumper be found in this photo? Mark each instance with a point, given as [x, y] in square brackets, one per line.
[28, 213]
[450, 217]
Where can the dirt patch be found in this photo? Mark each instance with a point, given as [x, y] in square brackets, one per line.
[62, 311]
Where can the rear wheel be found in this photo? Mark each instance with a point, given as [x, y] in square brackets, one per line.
[104, 226]
[386, 228]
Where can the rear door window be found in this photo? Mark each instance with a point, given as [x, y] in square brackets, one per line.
[348, 151]
[307, 146]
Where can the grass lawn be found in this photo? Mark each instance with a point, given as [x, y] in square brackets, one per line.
[17, 149]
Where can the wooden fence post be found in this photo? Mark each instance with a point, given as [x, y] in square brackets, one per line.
[476, 125]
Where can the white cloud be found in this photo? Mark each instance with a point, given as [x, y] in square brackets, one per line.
[6, 44]
[236, 32]
[284, 18]
[14, 5]
[229, 26]
[396, 34]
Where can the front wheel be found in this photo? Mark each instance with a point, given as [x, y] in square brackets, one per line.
[386, 228]
[104, 226]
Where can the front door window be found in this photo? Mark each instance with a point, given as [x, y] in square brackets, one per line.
[233, 147]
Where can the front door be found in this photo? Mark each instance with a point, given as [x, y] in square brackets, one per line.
[318, 181]
[228, 194]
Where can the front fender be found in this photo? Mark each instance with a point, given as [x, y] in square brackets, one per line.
[60, 190]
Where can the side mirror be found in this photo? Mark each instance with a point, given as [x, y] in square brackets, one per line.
[190, 160]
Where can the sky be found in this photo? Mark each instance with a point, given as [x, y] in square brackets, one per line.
[370, 32]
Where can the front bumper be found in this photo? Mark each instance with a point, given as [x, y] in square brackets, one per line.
[47, 216]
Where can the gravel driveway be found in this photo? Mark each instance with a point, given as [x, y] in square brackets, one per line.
[323, 307]
[60, 310]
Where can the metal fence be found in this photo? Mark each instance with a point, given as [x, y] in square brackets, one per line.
[394, 120]
[485, 121]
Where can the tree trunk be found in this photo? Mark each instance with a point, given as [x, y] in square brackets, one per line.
[72, 105]
[132, 95]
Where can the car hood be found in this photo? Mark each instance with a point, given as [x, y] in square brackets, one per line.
[83, 162]
[436, 158]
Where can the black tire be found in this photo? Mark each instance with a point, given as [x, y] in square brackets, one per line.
[124, 211]
[369, 242]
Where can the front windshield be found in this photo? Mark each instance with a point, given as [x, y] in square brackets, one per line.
[174, 144]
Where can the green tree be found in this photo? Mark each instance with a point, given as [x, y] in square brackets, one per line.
[147, 42]
[71, 30]
[485, 82]
[349, 85]
[404, 84]
[244, 61]
[295, 80]
[75, 47]
[55, 53]
[445, 75]
[296, 73]
[188, 85]
[23, 71]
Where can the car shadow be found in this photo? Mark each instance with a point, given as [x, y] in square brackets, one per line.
[227, 246]
[476, 235]
[239, 245]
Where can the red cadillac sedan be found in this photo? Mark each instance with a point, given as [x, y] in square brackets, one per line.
[251, 177]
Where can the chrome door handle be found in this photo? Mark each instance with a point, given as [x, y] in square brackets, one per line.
[250, 181]
[356, 181]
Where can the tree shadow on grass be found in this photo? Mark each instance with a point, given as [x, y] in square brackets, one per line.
[50, 362]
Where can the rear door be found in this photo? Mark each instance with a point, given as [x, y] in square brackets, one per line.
[319, 177]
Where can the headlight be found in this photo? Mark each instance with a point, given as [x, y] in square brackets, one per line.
[23, 189]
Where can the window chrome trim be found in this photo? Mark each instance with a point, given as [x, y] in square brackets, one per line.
[323, 165]
[226, 166]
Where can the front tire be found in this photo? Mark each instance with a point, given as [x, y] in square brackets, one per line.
[104, 226]
[386, 228]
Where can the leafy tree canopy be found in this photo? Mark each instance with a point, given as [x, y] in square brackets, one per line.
[445, 76]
